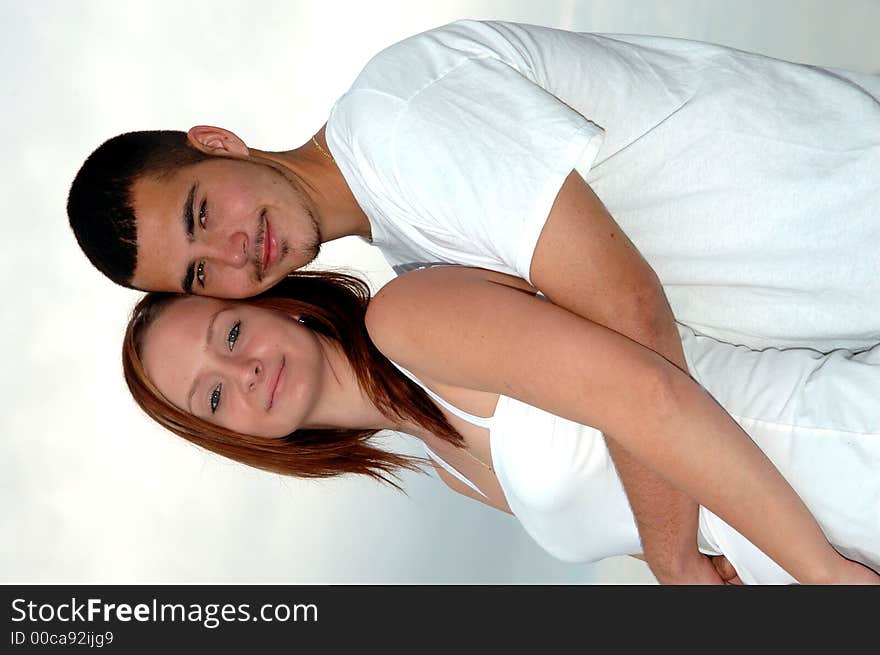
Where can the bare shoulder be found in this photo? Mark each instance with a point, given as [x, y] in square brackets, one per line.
[482, 331]
[419, 308]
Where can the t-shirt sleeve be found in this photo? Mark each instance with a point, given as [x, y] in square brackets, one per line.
[480, 155]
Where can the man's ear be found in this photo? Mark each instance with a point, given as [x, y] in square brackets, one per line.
[216, 141]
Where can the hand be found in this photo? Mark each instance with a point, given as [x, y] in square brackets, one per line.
[725, 570]
[699, 570]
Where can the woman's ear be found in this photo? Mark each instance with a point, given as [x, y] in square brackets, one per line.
[216, 141]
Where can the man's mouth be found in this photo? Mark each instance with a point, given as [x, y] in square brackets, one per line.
[270, 247]
[276, 385]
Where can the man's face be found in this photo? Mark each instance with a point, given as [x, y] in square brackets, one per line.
[224, 227]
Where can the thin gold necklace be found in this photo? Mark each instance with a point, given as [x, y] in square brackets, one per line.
[467, 452]
[323, 152]
[481, 462]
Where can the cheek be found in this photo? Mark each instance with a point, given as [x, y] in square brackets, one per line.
[235, 283]
[245, 420]
[241, 206]
[243, 196]
[309, 355]
[231, 209]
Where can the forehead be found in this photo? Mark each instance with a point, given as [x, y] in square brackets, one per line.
[158, 205]
[175, 343]
[181, 324]
[186, 312]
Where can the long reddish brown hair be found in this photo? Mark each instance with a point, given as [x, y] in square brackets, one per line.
[334, 305]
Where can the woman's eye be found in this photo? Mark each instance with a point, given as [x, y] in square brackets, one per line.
[200, 273]
[215, 397]
[203, 213]
[232, 337]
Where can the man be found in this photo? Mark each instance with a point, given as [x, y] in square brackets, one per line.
[486, 144]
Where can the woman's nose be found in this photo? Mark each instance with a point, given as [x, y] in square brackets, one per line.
[251, 373]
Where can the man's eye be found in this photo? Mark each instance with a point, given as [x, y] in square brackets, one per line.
[200, 273]
[203, 213]
[232, 337]
[215, 397]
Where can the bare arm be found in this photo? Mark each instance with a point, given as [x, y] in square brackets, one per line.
[468, 328]
[585, 263]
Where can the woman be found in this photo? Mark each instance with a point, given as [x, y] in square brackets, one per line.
[294, 385]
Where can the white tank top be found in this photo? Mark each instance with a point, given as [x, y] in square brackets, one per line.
[560, 482]
[557, 477]
[467, 417]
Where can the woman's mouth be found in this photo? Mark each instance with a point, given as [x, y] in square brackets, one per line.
[276, 385]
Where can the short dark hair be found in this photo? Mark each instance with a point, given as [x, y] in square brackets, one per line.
[99, 204]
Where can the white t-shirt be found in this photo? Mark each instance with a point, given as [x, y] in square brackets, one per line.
[749, 184]
[453, 152]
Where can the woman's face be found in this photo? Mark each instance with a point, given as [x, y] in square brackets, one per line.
[245, 368]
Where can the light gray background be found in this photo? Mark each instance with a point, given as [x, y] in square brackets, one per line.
[91, 491]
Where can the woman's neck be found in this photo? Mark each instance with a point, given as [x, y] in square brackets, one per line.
[345, 404]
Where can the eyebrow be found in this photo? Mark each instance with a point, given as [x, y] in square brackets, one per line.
[188, 227]
[209, 335]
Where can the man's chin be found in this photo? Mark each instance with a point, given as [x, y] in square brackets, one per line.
[270, 281]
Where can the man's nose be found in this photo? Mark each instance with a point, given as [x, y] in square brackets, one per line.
[231, 250]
